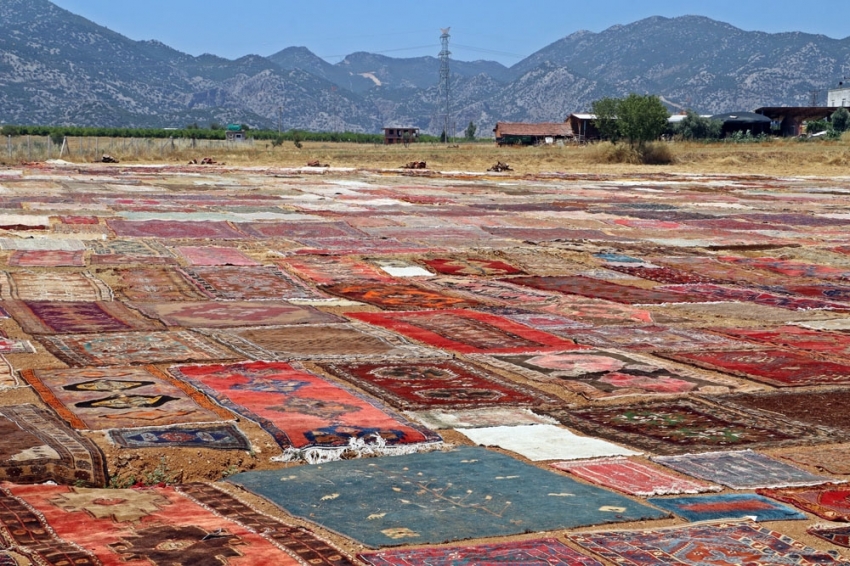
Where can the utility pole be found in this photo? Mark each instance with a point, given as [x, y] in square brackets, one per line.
[813, 101]
[445, 77]
[279, 119]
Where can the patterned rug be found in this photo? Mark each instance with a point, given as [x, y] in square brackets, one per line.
[299, 230]
[826, 292]
[151, 285]
[465, 266]
[440, 419]
[212, 255]
[398, 297]
[598, 289]
[330, 270]
[839, 536]
[537, 320]
[44, 286]
[828, 501]
[102, 399]
[415, 384]
[835, 460]
[632, 477]
[727, 506]
[128, 248]
[217, 437]
[704, 545]
[37, 447]
[47, 258]
[492, 291]
[668, 275]
[651, 338]
[266, 283]
[710, 267]
[831, 343]
[780, 368]
[467, 332]
[542, 552]
[826, 408]
[601, 313]
[716, 293]
[688, 425]
[438, 497]
[221, 314]
[317, 342]
[359, 246]
[152, 526]
[311, 419]
[743, 469]
[169, 229]
[598, 374]
[789, 268]
[122, 348]
[66, 317]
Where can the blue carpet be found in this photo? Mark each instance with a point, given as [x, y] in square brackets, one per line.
[727, 506]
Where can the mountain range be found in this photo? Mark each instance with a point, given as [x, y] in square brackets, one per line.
[57, 68]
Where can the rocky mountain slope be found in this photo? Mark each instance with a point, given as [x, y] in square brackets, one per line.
[58, 68]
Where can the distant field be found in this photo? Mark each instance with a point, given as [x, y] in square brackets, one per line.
[778, 157]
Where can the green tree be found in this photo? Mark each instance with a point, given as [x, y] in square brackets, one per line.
[605, 110]
[815, 126]
[840, 120]
[641, 119]
[443, 136]
[695, 127]
[470, 131]
[216, 126]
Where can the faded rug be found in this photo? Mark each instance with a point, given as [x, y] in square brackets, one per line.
[102, 399]
[632, 477]
[601, 313]
[705, 545]
[155, 285]
[37, 447]
[266, 283]
[427, 384]
[727, 506]
[839, 536]
[467, 331]
[359, 246]
[122, 348]
[66, 317]
[330, 270]
[789, 268]
[710, 267]
[217, 437]
[599, 289]
[742, 469]
[829, 501]
[688, 425]
[398, 297]
[154, 526]
[668, 275]
[465, 266]
[835, 460]
[826, 292]
[299, 230]
[439, 419]
[538, 320]
[311, 418]
[538, 552]
[44, 286]
[212, 255]
[492, 291]
[47, 258]
[438, 497]
[225, 314]
[318, 342]
[169, 229]
[544, 442]
[131, 248]
[822, 408]
[650, 338]
[598, 374]
[831, 343]
[716, 293]
[780, 368]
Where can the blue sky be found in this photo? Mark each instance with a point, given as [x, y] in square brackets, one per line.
[501, 30]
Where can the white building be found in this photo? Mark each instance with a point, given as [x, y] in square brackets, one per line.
[839, 96]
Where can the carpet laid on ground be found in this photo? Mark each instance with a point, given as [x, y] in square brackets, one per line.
[471, 266]
[311, 418]
[439, 496]
[727, 506]
[246, 283]
[398, 297]
[226, 314]
[45, 286]
[66, 317]
[224, 436]
[829, 501]
[437, 419]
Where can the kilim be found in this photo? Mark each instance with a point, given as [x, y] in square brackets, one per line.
[468, 331]
[225, 314]
[632, 477]
[598, 289]
[839, 536]
[829, 501]
[830, 343]
[37, 447]
[98, 399]
[780, 368]
[688, 425]
[329, 270]
[219, 437]
[471, 266]
[42, 286]
[397, 296]
[464, 493]
[311, 418]
[47, 258]
[155, 285]
[727, 506]
[153, 526]
[599, 374]
[743, 469]
[703, 545]
[545, 552]
[121, 348]
[266, 283]
[423, 384]
[66, 317]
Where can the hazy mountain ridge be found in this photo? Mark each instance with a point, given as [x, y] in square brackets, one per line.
[58, 68]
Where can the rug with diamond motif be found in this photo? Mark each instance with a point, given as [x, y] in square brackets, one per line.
[224, 436]
[67, 317]
[466, 266]
[245, 283]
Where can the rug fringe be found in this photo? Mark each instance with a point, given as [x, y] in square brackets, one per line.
[357, 448]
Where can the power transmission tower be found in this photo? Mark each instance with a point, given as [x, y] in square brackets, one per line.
[815, 97]
[444, 80]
